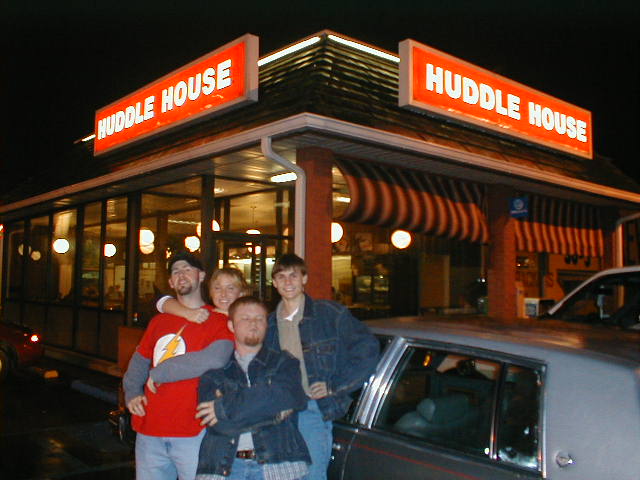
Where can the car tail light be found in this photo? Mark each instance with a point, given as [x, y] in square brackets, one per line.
[34, 338]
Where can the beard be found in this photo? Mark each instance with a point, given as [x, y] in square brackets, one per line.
[184, 289]
[253, 339]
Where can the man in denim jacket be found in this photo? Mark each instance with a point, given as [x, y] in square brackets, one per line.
[250, 407]
[337, 354]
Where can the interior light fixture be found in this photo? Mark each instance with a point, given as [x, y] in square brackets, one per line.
[36, 255]
[365, 48]
[146, 236]
[218, 190]
[109, 250]
[336, 232]
[343, 199]
[215, 226]
[284, 177]
[61, 245]
[401, 239]
[147, 248]
[192, 243]
[288, 50]
[253, 231]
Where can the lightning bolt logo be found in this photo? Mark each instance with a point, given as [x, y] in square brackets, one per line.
[170, 348]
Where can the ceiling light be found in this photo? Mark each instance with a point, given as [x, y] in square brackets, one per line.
[61, 245]
[192, 243]
[253, 231]
[146, 236]
[336, 232]
[109, 250]
[401, 239]
[284, 177]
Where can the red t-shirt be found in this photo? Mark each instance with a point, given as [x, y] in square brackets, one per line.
[171, 411]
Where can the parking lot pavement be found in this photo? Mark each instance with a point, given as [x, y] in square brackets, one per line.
[56, 427]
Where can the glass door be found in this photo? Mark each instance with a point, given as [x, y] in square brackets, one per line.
[253, 255]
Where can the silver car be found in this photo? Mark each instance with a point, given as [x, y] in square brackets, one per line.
[480, 400]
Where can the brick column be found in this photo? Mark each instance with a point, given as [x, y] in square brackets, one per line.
[501, 265]
[317, 164]
[608, 218]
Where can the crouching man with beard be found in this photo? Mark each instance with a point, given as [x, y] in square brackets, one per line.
[250, 407]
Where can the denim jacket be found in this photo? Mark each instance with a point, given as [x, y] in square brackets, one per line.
[275, 386]
[338, 349]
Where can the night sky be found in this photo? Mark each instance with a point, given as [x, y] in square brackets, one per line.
[63, 60]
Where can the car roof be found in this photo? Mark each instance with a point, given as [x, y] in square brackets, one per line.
[528, 337]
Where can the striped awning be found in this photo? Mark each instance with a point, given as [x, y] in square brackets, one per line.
[559, 226]
[415, 201]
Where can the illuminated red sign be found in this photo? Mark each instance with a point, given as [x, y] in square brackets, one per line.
[224, 78]
[434, 81]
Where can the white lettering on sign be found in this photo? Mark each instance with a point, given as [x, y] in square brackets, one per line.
[202, 83]
[456, 86]
[127, 118]
[563, 124]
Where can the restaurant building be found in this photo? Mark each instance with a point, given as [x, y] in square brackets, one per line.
[411, 182]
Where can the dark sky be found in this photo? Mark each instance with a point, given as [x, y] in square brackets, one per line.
[63, 60]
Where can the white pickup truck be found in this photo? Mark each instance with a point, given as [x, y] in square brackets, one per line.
[610, 297]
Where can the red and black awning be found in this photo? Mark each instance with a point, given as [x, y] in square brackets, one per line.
[559, 226]
[415, 201]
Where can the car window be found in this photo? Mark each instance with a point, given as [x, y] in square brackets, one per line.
[443, 398]
[518, 428]
[613, 299]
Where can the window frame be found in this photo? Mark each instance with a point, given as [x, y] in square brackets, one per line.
[374, 395]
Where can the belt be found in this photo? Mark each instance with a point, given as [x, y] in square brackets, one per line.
[246, 454]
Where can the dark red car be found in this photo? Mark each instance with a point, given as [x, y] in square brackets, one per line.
[19, 346]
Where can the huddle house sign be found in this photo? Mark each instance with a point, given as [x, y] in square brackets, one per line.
[222, 79]
[437, 82]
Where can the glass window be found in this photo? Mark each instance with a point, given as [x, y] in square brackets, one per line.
[266, 212]
[375, 278]
[518, 429]
[442, 398]
[91, 253]
[170, 222]
[114, 251]
[63, 256]
[15, 246]
[37, 254]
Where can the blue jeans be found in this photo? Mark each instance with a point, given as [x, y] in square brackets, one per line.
[167, 458]
[246, 470]
[319, 436]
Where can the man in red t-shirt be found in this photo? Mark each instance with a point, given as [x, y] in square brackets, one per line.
[169, 435]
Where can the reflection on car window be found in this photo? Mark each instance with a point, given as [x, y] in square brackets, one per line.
[385, 341]
[518, 421]
[613, 299]
[442, 398]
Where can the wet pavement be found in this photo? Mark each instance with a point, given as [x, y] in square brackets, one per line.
[58, 429]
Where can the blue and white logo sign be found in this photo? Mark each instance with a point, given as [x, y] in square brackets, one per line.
[519, 207]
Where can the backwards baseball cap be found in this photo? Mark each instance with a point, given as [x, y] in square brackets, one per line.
[188, 257]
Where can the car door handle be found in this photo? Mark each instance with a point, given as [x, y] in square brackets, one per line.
[563, 459]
